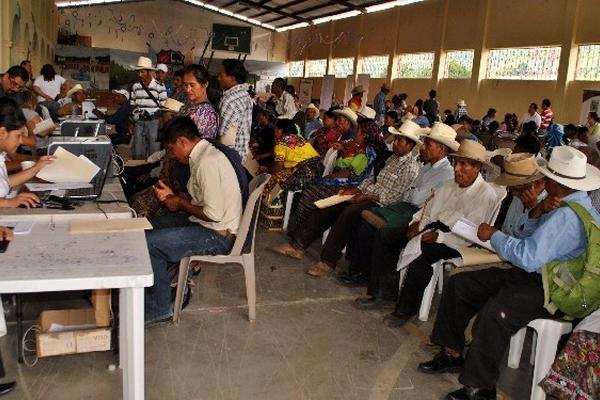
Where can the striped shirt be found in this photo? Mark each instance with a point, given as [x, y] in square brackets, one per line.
[393, 180]
[235, 110]
[141, 99]
[547, 117]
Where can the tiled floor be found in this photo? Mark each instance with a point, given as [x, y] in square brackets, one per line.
[308, 343]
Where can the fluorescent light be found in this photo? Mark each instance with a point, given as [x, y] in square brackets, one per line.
[229, 14]
[336, 17]
[390, 4]
[295, 26]
[75, 3]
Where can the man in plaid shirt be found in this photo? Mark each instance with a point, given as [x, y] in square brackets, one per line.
[235, 107]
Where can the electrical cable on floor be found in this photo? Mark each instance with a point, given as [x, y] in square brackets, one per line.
[24, 342]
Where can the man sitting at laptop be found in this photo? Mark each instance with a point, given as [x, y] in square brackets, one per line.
[206, 224]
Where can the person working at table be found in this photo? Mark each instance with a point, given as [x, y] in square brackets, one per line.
[206, 224]
[12, 125]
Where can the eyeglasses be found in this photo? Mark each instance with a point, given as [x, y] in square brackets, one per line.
[15, 86]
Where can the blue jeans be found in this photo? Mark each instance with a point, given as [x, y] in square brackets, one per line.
[173, 238]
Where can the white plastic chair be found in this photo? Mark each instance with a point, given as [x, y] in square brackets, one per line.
[236, 256]
[547, 334]
[437, 278]
[328, 163]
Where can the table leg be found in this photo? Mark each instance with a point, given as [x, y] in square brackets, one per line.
[132, 342]
[19, 317]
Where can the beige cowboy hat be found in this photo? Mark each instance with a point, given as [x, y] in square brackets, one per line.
[74, 89]
[519, 169]
[172, 105]
[143, 63]
[347, 113]
[358, 89]
[461, 103]
[568, 166]
[366, 112]
[409, 130]
[472, 150]
[311, 106]
[443, 134]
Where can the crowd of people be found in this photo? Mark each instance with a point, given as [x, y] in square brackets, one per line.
[409, 172]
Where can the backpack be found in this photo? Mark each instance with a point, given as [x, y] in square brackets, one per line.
[573, 286]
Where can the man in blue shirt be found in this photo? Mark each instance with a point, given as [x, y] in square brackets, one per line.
[508, 299]
[379, 102]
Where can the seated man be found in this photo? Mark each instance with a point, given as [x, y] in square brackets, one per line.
[399, 171]
[374, 259]
[469, 197]
[206, 224]
[120, 118]
[508, 299]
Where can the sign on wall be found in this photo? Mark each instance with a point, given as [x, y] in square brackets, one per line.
[590, 103]
[327, 87]
[305, 91]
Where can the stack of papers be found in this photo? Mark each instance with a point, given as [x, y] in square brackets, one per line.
[109, 225]
[46, 126]
[19, 227]
[468, 231]
[69, 168]
[333, 200]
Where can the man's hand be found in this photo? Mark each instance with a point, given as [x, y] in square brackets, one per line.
[6, 233]
[347, 191]
[338, 145]
[172, 202]
[485, 232]
[529, 198]
[26, 199]
[412, 231]
[548, 204]
[429, 237]
[162, 191]
[43, 162]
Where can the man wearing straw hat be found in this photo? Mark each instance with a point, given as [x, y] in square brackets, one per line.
[147, 96]
[355, 102]
[467, 196]
[508, 299]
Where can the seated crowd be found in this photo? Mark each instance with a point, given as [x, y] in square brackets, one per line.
[410, 173]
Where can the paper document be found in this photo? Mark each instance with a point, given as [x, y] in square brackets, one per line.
[48, 187]
[44, 127]
[477, 256]
[333, 200]
[69, 168]
[109, 225]
[411, 252]
[19, 227]
[468, 230]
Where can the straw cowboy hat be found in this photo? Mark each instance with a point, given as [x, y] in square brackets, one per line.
[74, 89]
[443, 134]
[357, 90]
[568, 166]
[143, 63]
[409, 130]
[311, 106]
[347, 113]
[122, 92]
[519, 169]
[172, 105]
[367, 112]
[472, 150]
[461, 103]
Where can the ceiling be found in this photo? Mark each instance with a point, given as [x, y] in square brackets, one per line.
[279, 15]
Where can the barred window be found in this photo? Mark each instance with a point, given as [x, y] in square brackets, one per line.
[316, 68]
[342, 67]
[524, 63]
[376, 66]
[416, 66]
[588, 63]
[459, 64]
[296, 69]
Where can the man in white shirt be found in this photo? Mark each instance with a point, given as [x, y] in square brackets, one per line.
[532, 115]
[285, 107]
[469, 197]
[206, 224]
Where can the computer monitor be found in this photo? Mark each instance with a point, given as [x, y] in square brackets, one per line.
[79, 128]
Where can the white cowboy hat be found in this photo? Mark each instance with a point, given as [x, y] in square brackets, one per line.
[443, 134]
[519, 169]
[367, 112]
[143, 63]
[122, 92]
[311, 106]
[568, 166]
[409, 130]
[162, 67]
[74, 89]
[347, 113]
[172, 105]
[358, 89]
[461, 103]
[472, 150]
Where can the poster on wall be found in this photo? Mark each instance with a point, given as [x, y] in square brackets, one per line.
[305, 91]
[327, 86]
[87, 66]
[364, 80]
[590, 103]
[348, 88]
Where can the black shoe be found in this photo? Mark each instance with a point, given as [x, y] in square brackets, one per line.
[353, 280]
[471, 393]
[371, 303]
[7, 387]
[442, 362]
[395, 319]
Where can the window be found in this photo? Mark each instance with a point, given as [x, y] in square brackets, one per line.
[459, 64]
[588, 63]
[342, 67]
[525, 63]
[376, 66]
[316, 68]
[296, 69]
[415, 66]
